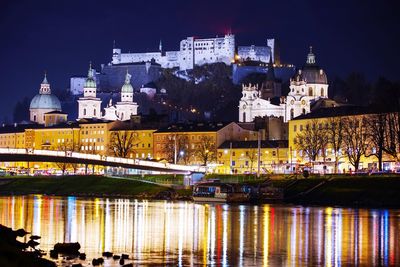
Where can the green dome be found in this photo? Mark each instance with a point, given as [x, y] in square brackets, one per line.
[46, 101]
[90, 82]
[127, 87]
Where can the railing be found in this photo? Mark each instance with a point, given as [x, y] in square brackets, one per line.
[137, 162]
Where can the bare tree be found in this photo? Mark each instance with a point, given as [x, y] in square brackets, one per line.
[206, 150]
[392, 135]
[183, 149]
[355, 139]
[177, 145]
[251, 155]
[377, 127]
[122, 143]
[335, 138]
[64, 147]
[312, 140]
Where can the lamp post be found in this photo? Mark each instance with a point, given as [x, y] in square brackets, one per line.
[230, 158]
[258, 153]
[175, 148]
[291, 157]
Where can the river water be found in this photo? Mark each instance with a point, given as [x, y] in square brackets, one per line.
[185, 233]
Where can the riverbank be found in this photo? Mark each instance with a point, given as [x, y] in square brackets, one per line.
[89, 186]
[354, 191]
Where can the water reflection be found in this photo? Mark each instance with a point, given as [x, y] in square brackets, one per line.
[184, 233]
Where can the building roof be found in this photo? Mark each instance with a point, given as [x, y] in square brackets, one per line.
[56, 112]
[128, 125]
[336, 112]
[93, 121]
[254, 144]
[194, 127]
[18, 128]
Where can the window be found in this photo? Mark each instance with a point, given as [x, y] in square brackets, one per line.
[274, 153]
[233, 153]
[322, 91]
[310, 91]
[291, 114]
[304, 111]
[94, 112]
[294, 128]
[84, 112]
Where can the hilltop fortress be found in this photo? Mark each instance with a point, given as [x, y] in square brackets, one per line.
[146, 67]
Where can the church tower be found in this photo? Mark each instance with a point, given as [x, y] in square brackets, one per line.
[126, 107]
[89, 104]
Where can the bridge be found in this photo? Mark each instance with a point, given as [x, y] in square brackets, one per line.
[31, 155]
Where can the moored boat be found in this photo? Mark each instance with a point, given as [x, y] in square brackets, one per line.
[220, 192]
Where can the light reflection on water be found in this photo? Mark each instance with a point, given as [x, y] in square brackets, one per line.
[184, 233]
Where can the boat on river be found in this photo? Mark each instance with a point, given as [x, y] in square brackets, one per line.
[221, 192]
[216, 191]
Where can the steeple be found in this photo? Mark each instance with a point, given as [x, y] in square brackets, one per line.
[45, 86]
[160, 46]
[311, 57]
[45, 78]
[90, 82]
[90, 72]
[127, 87]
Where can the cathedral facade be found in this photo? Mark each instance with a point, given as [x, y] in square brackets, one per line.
[89, 106]
[308, 85]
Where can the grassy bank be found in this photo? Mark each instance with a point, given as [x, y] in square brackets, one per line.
[82, 186]
[363, 191]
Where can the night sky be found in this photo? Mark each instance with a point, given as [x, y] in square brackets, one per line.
[63, 36]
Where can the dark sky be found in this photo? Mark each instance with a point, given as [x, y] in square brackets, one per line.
[63, 36]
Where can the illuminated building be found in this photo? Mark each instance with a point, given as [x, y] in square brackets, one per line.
[309, 85]
[242, 157]
[190, 138]
[43, 103]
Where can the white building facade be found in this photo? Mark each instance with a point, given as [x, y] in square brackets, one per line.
[192, 52]
[307, 86]
[124, 109]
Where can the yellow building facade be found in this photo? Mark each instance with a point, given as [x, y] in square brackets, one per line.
[241, 157]
[325, 160]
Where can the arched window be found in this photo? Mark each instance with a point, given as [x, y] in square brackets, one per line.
[244, 116]
[94, 112]
[34, 117]
[310, 92]
[322, 91]
[291, 114]
[304, 111]
[84, 112]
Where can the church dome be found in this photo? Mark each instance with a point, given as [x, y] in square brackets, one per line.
[314, 74]
[127, 87]
[311, 72]
[47, 101]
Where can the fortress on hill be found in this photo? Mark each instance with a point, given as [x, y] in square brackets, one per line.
[146, 67]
